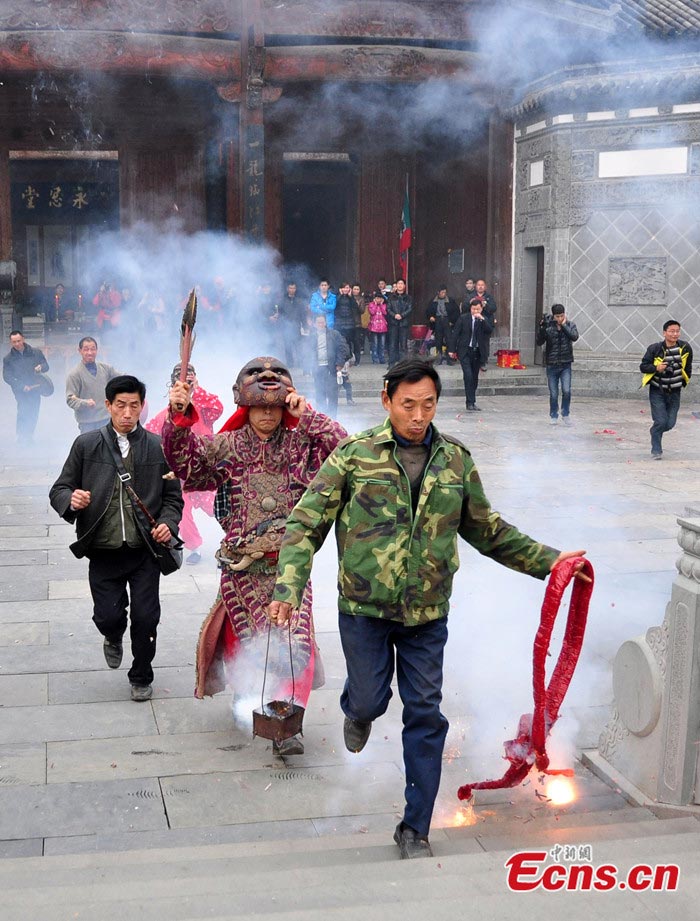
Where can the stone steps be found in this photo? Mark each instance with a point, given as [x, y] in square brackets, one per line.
[352, 876]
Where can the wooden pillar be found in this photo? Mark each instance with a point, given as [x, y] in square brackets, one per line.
[5, 207]
[499, 221]
[252, 126]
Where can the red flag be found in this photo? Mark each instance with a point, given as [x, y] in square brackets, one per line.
[405, 235]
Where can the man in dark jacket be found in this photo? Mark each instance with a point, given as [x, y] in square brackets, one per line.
[347, 316]
[398, 318]
[441, 316]
[91, 493]
[470, 343]
[489, 311]
[20, 368]
[667, 367]
[558, 335]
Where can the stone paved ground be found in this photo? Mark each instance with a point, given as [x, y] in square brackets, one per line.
[84, 768]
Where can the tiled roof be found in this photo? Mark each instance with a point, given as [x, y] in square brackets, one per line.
[665, 17]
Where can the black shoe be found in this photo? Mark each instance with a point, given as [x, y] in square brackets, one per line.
[475, 408]
[410, 843]
[114, 651]
[470, 407]
[355, 734]
[141, 692]
[293, 746]
[351, 402]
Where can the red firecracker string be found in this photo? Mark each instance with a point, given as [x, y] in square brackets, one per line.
[529, 747]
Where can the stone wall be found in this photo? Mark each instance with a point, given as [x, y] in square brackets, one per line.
[622, 254]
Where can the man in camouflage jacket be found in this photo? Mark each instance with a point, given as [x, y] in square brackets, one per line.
[399, 495]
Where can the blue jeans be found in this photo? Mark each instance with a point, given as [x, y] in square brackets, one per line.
[555, 375]
[664, 410]
[371, 648]
[377, 340]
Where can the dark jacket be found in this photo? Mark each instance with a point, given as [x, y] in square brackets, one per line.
[399, 303]
[461, 334]
[452, 312]
[559, 341]
[655, 354]
[18, 368]
[90, 466]
[347, 313]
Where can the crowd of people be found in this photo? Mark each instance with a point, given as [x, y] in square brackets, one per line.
[279, 474]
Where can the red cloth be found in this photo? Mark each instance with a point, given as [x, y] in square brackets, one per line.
[529, 747]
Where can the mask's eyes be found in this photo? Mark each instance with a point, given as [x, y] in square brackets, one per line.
[282, 371]
[252, 371]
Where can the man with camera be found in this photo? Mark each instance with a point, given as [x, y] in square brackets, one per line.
[558, 335]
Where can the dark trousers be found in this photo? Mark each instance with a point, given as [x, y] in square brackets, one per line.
[441, 334]
[471, 363]
[110, 573]
[396, 343]
[371, 648]
[28, 404]
[326, 386]
[556, 375]
[664, 410]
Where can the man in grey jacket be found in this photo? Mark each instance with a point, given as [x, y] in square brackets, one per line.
[89, 491]
[85, 387]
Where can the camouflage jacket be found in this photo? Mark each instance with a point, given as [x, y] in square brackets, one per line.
[396, 564]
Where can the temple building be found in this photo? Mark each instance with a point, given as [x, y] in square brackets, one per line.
[551, 148]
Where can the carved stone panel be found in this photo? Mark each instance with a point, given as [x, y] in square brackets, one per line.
[637, 280]
[583, 164]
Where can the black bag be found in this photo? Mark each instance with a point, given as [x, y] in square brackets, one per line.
[45, 384]
[167, 556]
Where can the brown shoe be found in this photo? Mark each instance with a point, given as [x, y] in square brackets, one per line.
[141, 692]
[355, 734]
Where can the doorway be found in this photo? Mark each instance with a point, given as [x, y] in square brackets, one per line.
[533, 292]
[319, 206]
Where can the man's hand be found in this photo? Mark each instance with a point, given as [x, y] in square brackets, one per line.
[37, 369]
[80, 499]
[179, 396]
[662, 366]
[568, 555]
[89, 402]
[161, 534]
[296, 403]
[279, 612]
[453, 355]
[397, 316]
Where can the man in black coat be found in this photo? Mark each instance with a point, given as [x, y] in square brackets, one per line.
[90, 492]
[399, 306]
[558, 334]
[441, 316]
[470, 343]
[20, 368]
